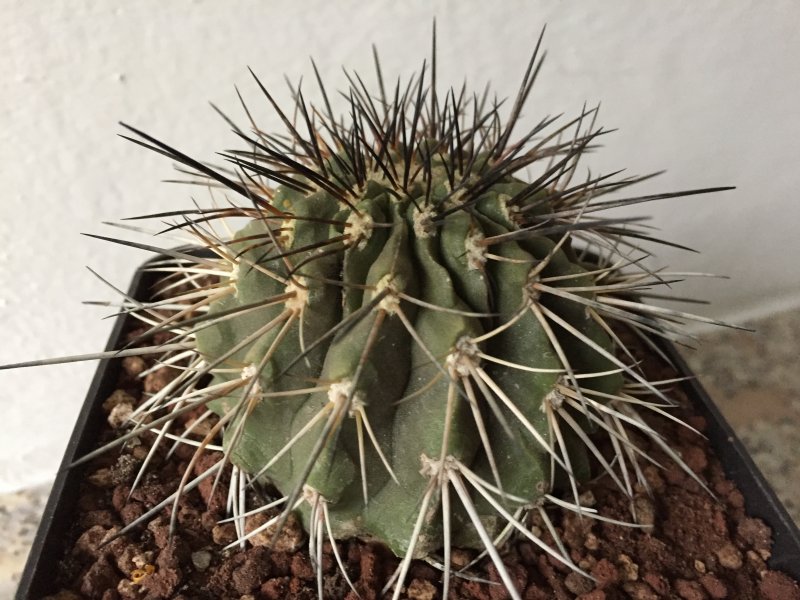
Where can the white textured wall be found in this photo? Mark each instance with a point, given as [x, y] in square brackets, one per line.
[706, 89]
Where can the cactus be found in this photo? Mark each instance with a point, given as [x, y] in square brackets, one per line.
[398, 398]
[407, 339]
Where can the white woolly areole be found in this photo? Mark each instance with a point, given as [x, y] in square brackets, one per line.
[554, 399]
[233, 277]
[510, 212]
[341, 391]
[287, 232]
[476, 252]
[248, 373]
[300, 299]
[391, 302]
[531, 291]
[464, 358]
[360, 229]
[424, 227]
[434, 467]
[356, 405]
[311, 495]
[457, 195]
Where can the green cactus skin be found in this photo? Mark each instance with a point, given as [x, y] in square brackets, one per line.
[406, 339]
[379, 372]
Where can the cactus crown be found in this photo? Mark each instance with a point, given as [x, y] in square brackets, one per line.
[408, 340]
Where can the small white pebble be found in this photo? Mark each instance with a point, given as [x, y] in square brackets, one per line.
[101, 478]
[290, 538]
[201, 559]
[591, 543]
[140, 560]
[699, 566]
[119, 415]
[459, 558]
[630, 570]
[729, 557]
[587, 499]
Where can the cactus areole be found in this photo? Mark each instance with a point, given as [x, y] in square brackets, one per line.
[417, 335]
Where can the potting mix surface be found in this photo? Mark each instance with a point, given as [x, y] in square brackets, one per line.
[692, 545]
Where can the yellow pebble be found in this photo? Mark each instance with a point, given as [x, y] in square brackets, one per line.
[137, 575]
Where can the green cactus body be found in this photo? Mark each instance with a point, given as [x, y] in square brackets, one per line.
[400, 389]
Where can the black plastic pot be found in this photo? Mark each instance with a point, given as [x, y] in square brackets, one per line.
[38, 579]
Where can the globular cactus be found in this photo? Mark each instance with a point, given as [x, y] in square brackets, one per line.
[408, 340]
[398, 337]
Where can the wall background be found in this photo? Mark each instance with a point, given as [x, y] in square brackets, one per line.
[707, 90]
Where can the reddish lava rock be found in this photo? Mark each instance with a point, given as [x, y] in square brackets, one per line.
[777, 586]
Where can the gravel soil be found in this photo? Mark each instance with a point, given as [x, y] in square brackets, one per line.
[694, 546]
